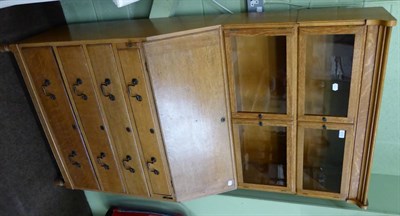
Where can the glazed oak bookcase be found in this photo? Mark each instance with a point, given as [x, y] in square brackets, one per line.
[183, 107]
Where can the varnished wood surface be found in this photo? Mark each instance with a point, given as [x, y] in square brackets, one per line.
[42, 117]
[121, 127]
[375, 103]
[346, 16]
[187, 77]
[363, 108]
[145, 118]
[74, 66]
[140, 29]
[42, 65]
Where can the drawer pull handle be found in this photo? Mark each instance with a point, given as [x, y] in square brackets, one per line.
[106, 83]
[125, 164]
[75, 89]
[150, 164]
[100, 161]
[71, 159]
[45, 84]
[133, 83]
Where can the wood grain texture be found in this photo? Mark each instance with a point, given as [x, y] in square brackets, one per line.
[379, 74]
[121, 126]
[347, 159]
[42, 116]
[143, 28]
[74, 66]
[42, 66]
[304, 32]
[145, 117]
[363, 108]
[345, 16]
[187, 77]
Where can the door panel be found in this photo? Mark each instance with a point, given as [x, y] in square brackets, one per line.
[187, 76]
[78, 79]
[121, 128]
[329, 73]
[139, 93]
[324, 159]
[261, 65]
[265, 155]
[48, 85]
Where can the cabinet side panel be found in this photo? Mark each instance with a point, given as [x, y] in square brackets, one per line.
[77, 78]
[187, 76]
[365, 94]
[48, 84]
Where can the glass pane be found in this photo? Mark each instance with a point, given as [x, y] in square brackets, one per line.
[259, 64]
[263, 151]
[323, 159]
[329, 60]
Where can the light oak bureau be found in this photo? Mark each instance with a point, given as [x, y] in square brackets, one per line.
[183, 107]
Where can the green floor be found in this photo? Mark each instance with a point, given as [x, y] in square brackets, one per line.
[384, 199]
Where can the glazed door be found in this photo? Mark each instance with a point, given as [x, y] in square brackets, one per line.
[265, 154]
[75, 69]
[121, 127]
[324, 159]
[188, 79]
[45, 78]
[141, 102]
[262, 76]
[262, 72]
[329, 73]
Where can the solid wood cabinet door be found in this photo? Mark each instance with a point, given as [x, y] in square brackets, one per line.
[324, 159]
[140, 97]
[74, 66]
[45, 78]
[188, 78]
[329, 73]
[122, 129]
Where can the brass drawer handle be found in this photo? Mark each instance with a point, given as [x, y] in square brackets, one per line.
[150, 166]
[106, 83]
[126, 166]
[45, 84]
[76, 92]
[100, 161]
[71, 159]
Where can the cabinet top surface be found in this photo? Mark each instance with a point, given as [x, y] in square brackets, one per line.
[139, 30]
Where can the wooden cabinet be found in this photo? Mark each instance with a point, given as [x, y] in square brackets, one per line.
[175, 109]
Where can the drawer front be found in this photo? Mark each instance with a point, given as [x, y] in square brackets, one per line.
[139, 94]
[78, 79]
[109, 87]
[47, 83]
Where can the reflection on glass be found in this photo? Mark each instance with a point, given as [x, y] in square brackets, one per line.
[323, 159]
[263, 155]
[329, 60]
[259, 64]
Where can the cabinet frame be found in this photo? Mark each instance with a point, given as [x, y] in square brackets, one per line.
[358, 53]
